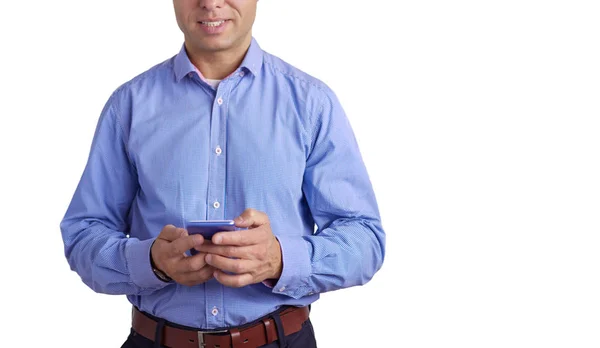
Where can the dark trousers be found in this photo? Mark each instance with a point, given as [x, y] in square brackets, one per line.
[305, 338]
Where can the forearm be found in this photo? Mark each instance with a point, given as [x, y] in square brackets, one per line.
[95, 224]
[107, 261]
[347, 253]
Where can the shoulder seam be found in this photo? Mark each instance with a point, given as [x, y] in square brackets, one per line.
[313, 119]
[312, 83]
[119, 122]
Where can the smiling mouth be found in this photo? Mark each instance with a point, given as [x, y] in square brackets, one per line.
[213, 23]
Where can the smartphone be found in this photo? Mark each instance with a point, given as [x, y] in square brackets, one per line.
[207, 228]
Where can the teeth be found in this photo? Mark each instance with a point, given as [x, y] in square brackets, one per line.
[213, 24]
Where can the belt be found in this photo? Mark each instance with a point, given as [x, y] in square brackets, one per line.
[259, 334]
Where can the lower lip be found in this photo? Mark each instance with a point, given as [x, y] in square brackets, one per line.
[214, 29]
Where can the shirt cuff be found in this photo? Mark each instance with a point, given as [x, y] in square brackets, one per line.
[137, 254]
[296, 269]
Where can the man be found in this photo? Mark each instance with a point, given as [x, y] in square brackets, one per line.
[223, 130]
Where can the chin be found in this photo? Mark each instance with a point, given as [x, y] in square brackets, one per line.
[212, 43]
[214, 47]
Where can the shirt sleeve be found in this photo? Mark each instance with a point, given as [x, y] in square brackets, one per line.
[348, 247]
[95, 229]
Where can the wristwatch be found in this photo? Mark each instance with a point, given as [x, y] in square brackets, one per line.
[158, 273]
[161, 275]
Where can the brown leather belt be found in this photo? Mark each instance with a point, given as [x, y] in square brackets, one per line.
[259, 334]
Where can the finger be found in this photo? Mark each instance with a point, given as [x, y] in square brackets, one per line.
[171, 233]
[241, 252]
[237, 266]
[197, 277]
[233, 280]
[183, 244]
[251, 218]
[190, 264]
[242, 237]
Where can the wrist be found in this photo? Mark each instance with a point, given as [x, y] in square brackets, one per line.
[278, 267]
[160, 274]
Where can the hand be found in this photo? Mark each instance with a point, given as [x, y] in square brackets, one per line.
[168, 254]
[252, 255]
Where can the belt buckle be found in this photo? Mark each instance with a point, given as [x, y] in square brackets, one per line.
[201, 343]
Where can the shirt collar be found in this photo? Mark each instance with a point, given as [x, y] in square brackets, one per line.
[252, 61]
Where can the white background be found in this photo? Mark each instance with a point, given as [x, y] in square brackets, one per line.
[478, 121]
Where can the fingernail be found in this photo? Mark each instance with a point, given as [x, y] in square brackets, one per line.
[217, 239]
[239, 219]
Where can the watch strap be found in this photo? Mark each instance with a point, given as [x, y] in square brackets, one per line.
[157, 272]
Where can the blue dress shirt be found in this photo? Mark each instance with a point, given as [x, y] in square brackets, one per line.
[169, 148]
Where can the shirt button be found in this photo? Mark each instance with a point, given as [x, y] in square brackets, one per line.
[215, 311]
[216, 205]
[281, 289]
[218, 150]
[241, 73]
[220, 101]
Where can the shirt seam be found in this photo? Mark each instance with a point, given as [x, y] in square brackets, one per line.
[312, 118]
[122, 134]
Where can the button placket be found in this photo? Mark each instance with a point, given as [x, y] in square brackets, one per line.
[215, 205]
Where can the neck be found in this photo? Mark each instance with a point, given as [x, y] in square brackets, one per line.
[218, 64]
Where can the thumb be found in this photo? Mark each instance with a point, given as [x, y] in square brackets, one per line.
[171, 233]
[251, 218]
